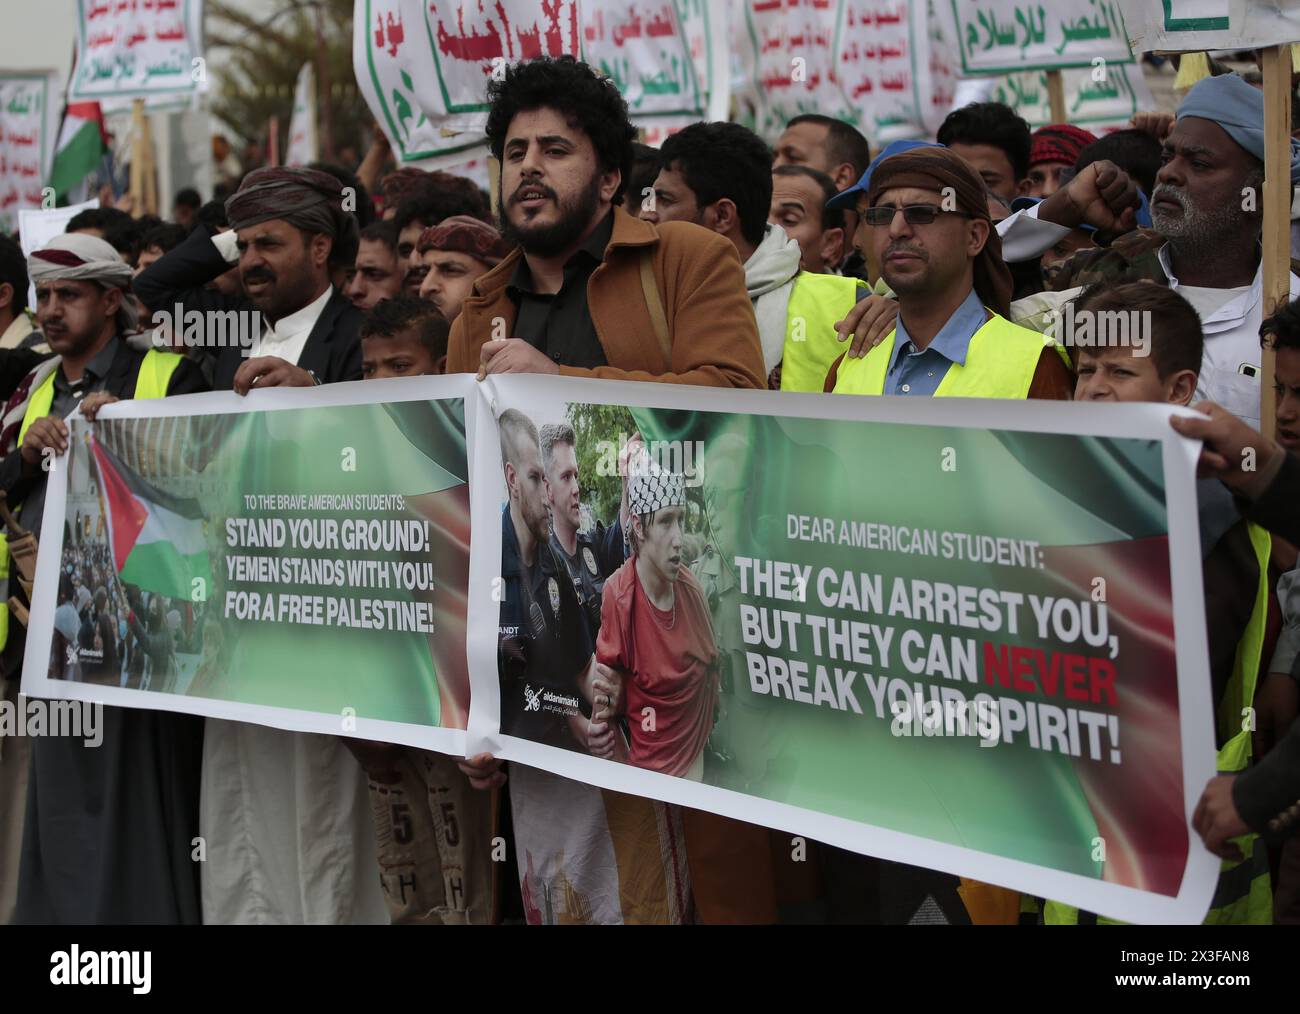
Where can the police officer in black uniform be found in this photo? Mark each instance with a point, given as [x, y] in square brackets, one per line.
[546, 647]
[594, 556]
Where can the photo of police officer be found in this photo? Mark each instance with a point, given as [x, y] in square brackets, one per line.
[546, 661]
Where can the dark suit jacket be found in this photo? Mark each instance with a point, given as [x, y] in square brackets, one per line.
[333, 349]
[1267, 795]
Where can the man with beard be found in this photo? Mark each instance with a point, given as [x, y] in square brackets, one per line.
[284, 224]
[589, 290]
[84, 861]
[285, 815]
[1206, 215]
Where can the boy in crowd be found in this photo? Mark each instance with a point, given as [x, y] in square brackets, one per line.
[432, 830]
[1163, 367]
[403, 337]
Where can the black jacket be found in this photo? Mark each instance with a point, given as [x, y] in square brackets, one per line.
[333, 349]
[1267, 795]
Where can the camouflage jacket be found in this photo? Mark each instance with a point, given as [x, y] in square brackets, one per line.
[1131, 258]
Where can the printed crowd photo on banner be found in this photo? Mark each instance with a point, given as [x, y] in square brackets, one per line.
[201, 548]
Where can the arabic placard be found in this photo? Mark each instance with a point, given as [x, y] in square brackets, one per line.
[861, 61]
[1092, 100]
[643, 49]
[1197, 25]
[424, 67]
[1003, 36]
[137, 49]
[708, 36]
[29, 105]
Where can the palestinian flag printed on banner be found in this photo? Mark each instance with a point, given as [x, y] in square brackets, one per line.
[156, 538]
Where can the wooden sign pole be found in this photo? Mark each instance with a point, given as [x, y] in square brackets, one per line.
[1056, 96]
[137, 157]
[1276, 238]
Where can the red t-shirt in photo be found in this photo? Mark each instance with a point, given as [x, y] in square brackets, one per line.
[668, 658]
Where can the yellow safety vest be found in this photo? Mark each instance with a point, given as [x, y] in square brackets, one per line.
[150, 382]
[817, 304]
[1244, 895]
[1000, 363]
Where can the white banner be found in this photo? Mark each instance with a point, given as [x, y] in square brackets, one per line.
[138, 49]
[1002, 36]
[1200, 25]
[1095, 102]
[1020, 804]
[303, 145]
[862, 61]
[29, 121]
[424, 68]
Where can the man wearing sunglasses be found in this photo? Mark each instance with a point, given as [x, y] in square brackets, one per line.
[937, 249]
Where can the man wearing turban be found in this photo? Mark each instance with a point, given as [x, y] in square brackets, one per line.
[285, 811]
[287, 226]
[931, 233]
[72, 866]
[455, 252]
[1052, 150]
[1206, 217]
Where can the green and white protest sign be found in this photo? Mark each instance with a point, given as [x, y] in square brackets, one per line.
[1003, 36]
[1197, 25]
[138, 50]
[965, 635]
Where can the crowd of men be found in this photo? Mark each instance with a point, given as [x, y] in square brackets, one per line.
[933, 269]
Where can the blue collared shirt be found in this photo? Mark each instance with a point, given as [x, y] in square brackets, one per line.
[919, 373]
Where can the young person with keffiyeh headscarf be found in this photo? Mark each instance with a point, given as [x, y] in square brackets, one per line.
[84, 861]
[655, 633]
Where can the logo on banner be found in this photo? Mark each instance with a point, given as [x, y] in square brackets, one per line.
[590, 559]
[533, 698]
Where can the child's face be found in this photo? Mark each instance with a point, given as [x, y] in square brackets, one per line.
[402, 355]
[661, 540]
[1286, 385]
[1118, 374]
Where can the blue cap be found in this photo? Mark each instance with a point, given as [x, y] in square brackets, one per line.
[1143, 210]
[848, 199]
